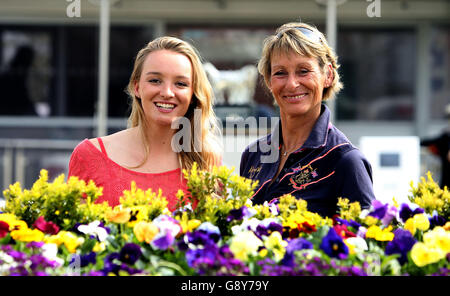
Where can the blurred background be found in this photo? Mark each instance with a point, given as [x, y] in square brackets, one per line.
[64, 65]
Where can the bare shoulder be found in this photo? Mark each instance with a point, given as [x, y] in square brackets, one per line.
[113, 141]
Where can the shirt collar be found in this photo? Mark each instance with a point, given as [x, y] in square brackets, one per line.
[318, 136]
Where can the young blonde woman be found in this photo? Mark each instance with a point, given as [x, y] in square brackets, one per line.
[171, 126]
[314, 160]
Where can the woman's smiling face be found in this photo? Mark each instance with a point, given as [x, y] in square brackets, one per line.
[297, 83]
[165, 86]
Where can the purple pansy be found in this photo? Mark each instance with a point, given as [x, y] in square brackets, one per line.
[130, 253]
[294, 245]
[333, 245]
[215, 261]
[298, 244]
[390, 214]
[406, 212]
[239, 214]
[351, 223]
[84, 260]
[168, 230]
[200, 256]
[379, 209]
[436, 220]
[110, 264]
[35, 245]
[272, 226]
[401, 244]
[163, 242]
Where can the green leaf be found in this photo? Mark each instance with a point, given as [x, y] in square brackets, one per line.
[88, 245]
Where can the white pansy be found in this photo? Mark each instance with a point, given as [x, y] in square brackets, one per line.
[93, 228]
[266, 222]
[209, 227]
[250, 213]
[50, 251]
[166, 225]
[247, 224]
[364, 214]
[358, 242]
[6, 263]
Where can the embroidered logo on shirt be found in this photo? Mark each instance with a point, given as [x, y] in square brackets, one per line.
[253, 172]
[304, 176]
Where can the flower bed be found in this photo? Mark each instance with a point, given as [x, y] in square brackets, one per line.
[55, 228]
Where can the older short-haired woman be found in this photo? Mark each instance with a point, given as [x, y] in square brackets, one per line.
[315, 161]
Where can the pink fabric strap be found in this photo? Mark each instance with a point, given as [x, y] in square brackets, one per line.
[100, 142]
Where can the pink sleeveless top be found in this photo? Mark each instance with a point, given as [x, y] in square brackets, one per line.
[88, 163]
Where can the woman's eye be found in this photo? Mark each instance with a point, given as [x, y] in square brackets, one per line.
[279, 73]
[154, 80]
[303, 71]
[182, 84]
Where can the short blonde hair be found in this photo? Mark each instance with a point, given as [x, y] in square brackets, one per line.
[302, 39]
[208, 154]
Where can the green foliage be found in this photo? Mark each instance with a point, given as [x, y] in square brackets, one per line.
[65, 204]
[429, 196]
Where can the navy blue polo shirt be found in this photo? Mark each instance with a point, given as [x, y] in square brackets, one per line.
[326, 167]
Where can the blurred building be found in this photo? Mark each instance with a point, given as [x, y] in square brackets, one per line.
[395, 66]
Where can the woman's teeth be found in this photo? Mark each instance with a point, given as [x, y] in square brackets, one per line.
[165, 106]
[296, 97]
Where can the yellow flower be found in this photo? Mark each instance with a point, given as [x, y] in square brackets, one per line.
[410, 226]
[263, 252]
[423, 255]
[379, 234]
[70, 240]
[369, 220]
[276, 244]
[421, 222]
[118, 215]
[243, 244]
[145, 231]
[12, 221]
[27, 235]
[6, 217]
[395, 203]
[99, 247]
[438, 238]
[189, 225]
[138, 213]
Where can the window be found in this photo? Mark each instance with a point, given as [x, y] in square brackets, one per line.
[440, 71]
[26, 70]
[53, 70]
[378, 72]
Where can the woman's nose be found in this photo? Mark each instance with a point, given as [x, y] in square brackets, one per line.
[166, 91]
[292, 82]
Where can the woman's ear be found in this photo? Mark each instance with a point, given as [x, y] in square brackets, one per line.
[330, 75]
[136, 89]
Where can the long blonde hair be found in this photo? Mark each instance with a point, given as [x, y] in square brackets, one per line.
[290, 37]
[209, 154]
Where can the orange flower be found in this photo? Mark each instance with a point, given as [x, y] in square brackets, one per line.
[447, 226]
[118, 215]
[145, 231]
